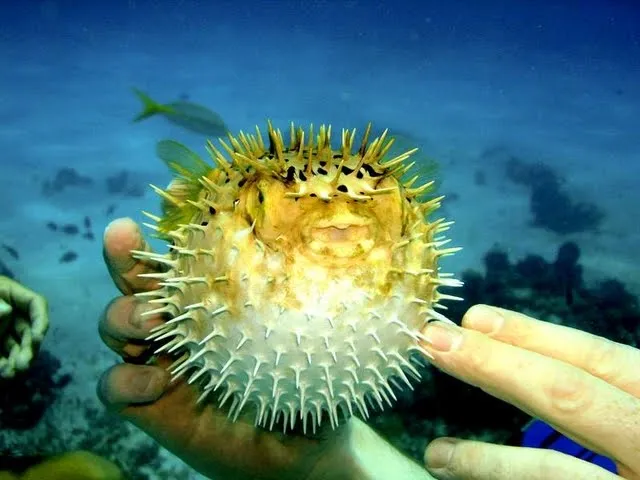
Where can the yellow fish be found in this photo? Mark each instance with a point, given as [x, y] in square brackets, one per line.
[189, 115]
[299, 276]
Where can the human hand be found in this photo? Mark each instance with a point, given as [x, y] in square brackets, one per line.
[585, 386]
[202, 436]
[24, 321]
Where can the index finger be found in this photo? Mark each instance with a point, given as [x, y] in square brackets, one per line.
[613, 362]
[121, 237]
[579, 405]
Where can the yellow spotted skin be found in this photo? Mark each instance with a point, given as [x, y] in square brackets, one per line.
[298, 276]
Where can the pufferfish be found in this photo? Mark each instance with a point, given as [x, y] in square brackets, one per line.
[298, 278]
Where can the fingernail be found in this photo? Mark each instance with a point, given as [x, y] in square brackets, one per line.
[442, 337]
[120, 221]
[484, 319]
[439, 453]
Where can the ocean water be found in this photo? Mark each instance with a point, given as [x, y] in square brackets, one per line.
[530, 109]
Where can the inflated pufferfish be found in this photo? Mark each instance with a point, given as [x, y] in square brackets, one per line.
[298, 277]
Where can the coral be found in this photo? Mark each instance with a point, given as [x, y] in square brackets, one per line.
[65, 177]
[299, 277]
[554, 290]
[24, 321]
[93, 430]
[25, 398]
[552, 208]
[120, 184]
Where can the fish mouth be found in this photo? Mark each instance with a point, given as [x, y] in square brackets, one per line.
[340, 237]
[340, 233]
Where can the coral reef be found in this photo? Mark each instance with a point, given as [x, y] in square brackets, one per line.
[24, 321]
[24, 399]
[38, 421]
[91, 430]
[64, 178]
[121, 184]
[552, 207]
[442, 405]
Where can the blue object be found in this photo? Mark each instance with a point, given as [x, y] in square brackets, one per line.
[538, 434]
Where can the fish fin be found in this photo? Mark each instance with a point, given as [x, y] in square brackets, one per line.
[181, 160]
[189, 168]
[149, 106]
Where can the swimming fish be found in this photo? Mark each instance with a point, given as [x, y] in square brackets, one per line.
[188, 115]
[299, 276]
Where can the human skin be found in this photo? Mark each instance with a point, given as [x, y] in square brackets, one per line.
[204, 437]
[584, 385]
[24, 321]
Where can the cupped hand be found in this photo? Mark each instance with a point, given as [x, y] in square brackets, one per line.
[24, 321]
[141, 391]
[585, 386]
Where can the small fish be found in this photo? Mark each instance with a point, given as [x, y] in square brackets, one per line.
[68, 257]
[70, 229]
[11, 251]
[183, 113]
[52, 226]
[87, 223]
[110, 210]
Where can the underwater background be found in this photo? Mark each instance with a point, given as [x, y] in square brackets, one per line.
[530, 110]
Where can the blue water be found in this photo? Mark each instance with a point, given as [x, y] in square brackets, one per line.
[551, 82]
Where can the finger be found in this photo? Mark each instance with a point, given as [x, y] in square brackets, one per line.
[579, 405]
[121, 237]
[450, 459]
[39, 317]
[613, 362]
[125, 324]
[125, 384]
[26, 300]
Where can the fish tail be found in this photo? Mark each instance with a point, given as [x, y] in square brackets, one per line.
[149, 106]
